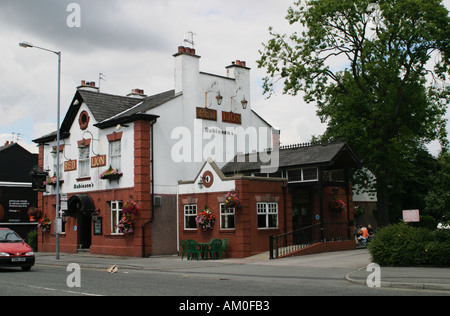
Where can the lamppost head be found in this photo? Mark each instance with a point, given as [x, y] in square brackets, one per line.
[26, 45]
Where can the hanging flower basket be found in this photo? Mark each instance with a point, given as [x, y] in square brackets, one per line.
[130, 207]
[337, 205]
[232, 200]
[34, 214]
[205, 219]
[358, 210]
[44, 224]
[126, 224]
[110, 174]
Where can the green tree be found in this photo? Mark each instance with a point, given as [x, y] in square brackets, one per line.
[376, 71]
[438, 197]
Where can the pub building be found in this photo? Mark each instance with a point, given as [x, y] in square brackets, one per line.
[163, 159]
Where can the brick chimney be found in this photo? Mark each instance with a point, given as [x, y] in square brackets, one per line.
[137, 93]
[88, 86]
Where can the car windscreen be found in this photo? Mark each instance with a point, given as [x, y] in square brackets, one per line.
[9, 236]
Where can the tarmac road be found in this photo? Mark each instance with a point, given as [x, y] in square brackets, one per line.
[337, 273]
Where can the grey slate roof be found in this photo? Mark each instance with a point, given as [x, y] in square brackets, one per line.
[145, 105]
[335, 154]
[109, 109]
[104, 105]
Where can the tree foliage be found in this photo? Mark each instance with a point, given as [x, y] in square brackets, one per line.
[438, 198]
[376, 71]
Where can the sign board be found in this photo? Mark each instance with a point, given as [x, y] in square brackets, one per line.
[98, 161]
[58, 225]
[98, 226]
[411, 216]
[64, 204]
[16, 211]
[206, 114]
[230, 117]
[70, 165]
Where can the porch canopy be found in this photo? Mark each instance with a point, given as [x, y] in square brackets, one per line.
[82, 203]
[305, 167]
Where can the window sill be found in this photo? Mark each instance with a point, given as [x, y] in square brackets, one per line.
[83, 179]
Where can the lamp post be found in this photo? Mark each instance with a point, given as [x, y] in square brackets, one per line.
[58, 138]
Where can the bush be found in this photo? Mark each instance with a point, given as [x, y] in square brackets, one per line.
[32, 239]
[404, 245]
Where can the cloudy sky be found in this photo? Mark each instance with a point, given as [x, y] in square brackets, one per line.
[132, 42]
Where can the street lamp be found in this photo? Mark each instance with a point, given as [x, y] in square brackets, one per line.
[58, 138]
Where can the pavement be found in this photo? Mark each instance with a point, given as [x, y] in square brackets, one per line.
[355, 261]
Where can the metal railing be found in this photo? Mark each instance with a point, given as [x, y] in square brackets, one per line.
[287, 243]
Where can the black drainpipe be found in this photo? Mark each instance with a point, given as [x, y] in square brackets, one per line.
[152, 218]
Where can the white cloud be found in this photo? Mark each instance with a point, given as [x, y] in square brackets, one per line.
[132, 42]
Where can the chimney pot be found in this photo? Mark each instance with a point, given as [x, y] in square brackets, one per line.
[181, 49]
[93, 84]
[243, 63]
[238, 62]
[83, 82]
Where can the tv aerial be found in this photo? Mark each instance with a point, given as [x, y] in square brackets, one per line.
[190, 41]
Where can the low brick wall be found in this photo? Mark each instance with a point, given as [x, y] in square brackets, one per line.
[323, 247]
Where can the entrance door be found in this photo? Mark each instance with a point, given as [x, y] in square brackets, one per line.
[301, 207]
[84, 230]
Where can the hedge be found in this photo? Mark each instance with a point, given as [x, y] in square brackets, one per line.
[403, 245]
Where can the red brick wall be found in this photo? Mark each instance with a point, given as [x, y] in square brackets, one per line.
[328, 196]
[142, 189]
[246, 239]
[324, 247]
[122, 245]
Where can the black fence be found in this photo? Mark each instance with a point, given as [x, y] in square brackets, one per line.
[290, 242]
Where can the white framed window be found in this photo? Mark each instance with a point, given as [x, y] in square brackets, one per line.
[227, 217]
[116, 213]
[115, 153]
[267, 213]
[83, 161]
[190, 212]
[61, 163]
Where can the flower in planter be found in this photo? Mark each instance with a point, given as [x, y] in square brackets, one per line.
[44, 224]
[34, 213]
[232, 200]
[126, 224]
[205, 219]
[337, 205]
[111, 173]
[52, 180]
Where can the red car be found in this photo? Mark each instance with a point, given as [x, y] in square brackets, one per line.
[14, 252]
